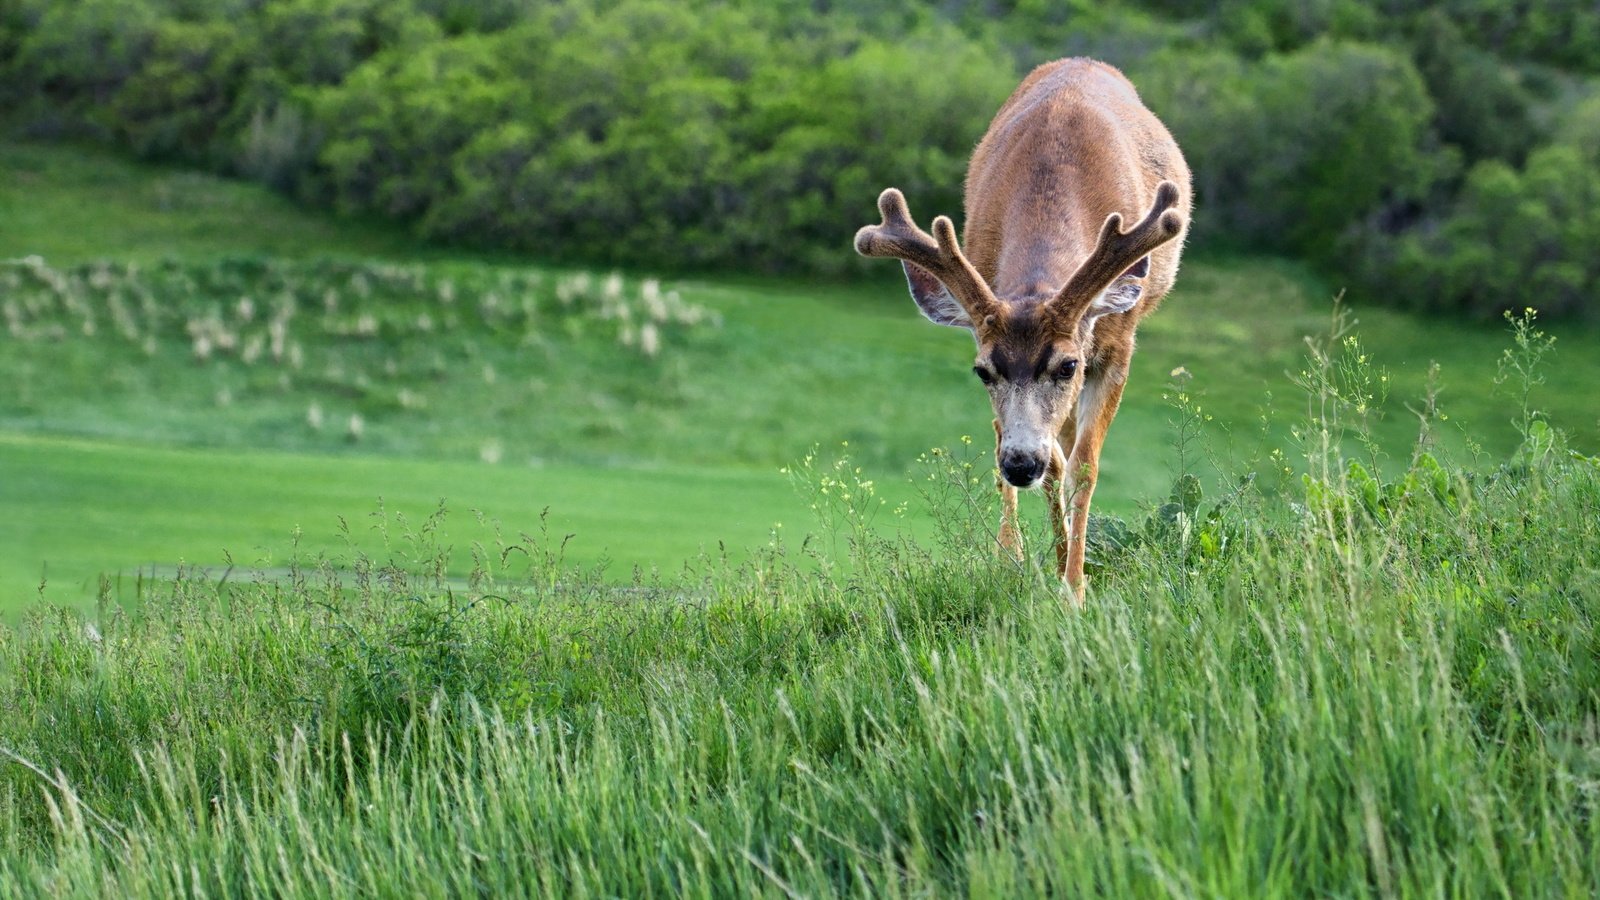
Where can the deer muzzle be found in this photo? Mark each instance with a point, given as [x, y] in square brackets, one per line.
[1022, 469]
[1027, 437]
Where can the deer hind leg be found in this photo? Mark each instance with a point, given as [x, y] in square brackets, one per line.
[1010, 538]
[1097, 406]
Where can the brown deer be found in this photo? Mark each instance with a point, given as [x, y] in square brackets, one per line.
[1050, 285]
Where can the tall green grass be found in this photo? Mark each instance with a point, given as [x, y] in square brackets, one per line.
[1369, 683]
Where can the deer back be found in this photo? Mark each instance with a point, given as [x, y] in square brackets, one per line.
[1072, 146]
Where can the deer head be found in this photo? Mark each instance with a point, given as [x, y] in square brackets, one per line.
[1030, 352]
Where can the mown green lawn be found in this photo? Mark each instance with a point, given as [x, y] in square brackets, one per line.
[76, 509]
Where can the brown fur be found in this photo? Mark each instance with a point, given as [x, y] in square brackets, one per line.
[1069, 154]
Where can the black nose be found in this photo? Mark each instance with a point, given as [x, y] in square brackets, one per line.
[1022, 469]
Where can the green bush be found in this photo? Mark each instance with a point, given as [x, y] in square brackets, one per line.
[1292, 152]
[831, 138]
[185, 89]
[1550, 32]
[1482, 105]
[1515, 238]
[75, 56]
[746, 135]
[319, 42]
[688, 142]
[1580, 129]
[390, 131]
[1559, 32]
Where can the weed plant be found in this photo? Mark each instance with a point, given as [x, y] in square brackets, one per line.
[1350, 684]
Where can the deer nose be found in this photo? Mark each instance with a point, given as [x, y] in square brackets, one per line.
[1022, 469]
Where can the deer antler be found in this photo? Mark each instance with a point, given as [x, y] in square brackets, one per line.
[898, 237]
[1117, 251]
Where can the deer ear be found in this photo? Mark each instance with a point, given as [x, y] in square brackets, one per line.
[934, 299]
[1122, 294]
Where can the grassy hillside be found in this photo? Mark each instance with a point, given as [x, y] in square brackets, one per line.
[1380, 677]
[76, 203]
[646, 458]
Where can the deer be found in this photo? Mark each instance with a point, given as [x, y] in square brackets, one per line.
[1049, 284]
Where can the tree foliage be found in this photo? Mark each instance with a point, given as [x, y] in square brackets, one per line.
[1515, 238]
[756, 135]
[1293, 150]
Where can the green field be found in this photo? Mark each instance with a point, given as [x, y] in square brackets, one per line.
[644, 460]
[417, 579]
[452, 448]
[74, 504]
[1391, 692]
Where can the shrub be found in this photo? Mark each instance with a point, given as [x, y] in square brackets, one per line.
[1514, 238]
[1481, 105]
[829, 139]
[661, 134]
[1550, 32]
[76, 56]
[611, 138]
[1296, 150]
[277, 147]
[1580, 129]
[319, 42]
[391, 130]
[185, 89]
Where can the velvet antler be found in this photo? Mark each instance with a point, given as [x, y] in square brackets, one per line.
[898, 237]
[1118, 251]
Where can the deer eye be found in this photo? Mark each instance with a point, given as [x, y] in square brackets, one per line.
[984, 375]
[1066, 370]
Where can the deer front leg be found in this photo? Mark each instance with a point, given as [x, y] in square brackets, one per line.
[1010, 537]
[1055, 500]
[1055, 485]
[1097, 406]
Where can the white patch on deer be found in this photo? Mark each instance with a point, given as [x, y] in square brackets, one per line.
[1024, 419]
[934, 299]
[1119, 296]
[1092, 396]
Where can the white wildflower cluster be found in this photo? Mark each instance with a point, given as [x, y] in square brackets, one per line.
[352, 330]
[639, 316]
